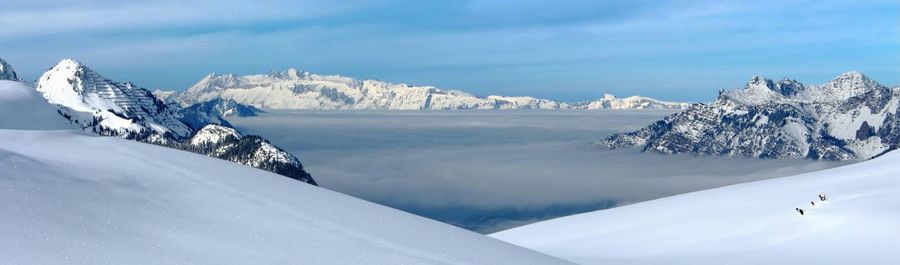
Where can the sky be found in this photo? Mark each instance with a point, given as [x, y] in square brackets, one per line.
[563, 50]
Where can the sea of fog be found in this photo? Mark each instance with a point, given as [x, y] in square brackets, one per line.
[491, 170]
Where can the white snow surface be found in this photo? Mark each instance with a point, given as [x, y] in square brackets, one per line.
[292, 89]
[72, 198]
[751, 223]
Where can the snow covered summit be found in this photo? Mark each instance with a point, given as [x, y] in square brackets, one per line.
[751, 223]
[106, 107]
[851, 117]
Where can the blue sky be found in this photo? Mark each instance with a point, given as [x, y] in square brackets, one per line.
[565, 50]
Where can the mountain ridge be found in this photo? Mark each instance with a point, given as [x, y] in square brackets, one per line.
[293, 89]
[850, 117]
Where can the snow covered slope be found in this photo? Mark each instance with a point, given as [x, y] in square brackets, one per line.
[851, 117]
[7, 72]
[73, 198]
[292, 89]
[752, 223]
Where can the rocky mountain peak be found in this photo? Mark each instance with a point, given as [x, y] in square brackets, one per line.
[789, 87]
[101, 105]
[7, 72]
[760, 82]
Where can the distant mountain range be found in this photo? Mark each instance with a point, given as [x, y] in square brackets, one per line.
[851, 117]
[292, 90]
[102, 106]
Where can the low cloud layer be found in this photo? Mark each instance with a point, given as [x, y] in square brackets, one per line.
[490, 170]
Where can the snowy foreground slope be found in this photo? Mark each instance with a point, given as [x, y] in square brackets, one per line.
[73, 198]
[752, 223]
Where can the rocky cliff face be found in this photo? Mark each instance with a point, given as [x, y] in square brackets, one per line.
[7, 72]
[850, 117]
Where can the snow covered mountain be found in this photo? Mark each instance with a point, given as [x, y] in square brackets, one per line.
[609, 101]
[99, 105]
[73, 198]
[851, 117]
[228, 144]
[292, 89]
[750, 223]
[7, 72]
[106, 107]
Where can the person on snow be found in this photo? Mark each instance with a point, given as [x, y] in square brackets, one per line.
[799, 210]
[813, 203]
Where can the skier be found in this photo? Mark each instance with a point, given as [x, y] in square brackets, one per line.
[813, 203]
[799, 210]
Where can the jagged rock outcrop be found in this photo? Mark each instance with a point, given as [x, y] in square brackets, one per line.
[851, 117]
[7, 72]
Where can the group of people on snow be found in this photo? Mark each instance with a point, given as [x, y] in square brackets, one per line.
[822, 197]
